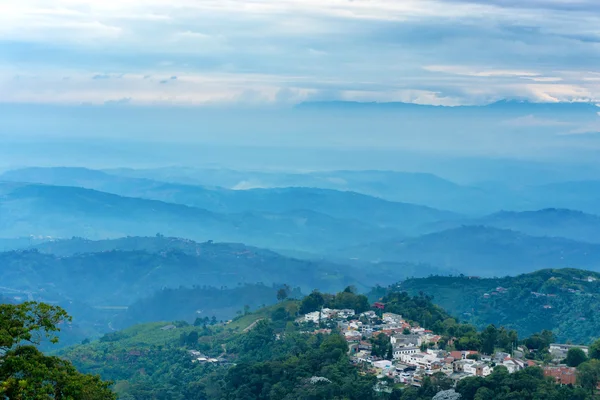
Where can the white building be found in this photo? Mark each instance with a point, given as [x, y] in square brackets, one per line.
[401, 351]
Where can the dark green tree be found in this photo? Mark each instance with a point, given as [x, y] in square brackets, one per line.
[575, 357]
[28, 374]
[588, 375]
[594, 350]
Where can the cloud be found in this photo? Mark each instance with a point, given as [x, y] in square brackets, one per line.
[442, 51]
[533, 121]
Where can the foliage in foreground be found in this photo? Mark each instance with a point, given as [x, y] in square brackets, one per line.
[28, 374]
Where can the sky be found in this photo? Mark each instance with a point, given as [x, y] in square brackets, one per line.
[284, 52]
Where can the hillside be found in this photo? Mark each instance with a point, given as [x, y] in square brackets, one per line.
[368, 273]
[120, 277]
[116, 288]
[59, 211]
[484, 251]
[551, 222]
[155, 361]
[562, 300]
[187, 304]
[114, 283]
[408, 187]
[335, 203]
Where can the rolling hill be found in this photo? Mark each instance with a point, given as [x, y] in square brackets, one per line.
[335, 203]
[484, 251]
[565, 301]
[552, 222]
[59, 211]
[121, 277]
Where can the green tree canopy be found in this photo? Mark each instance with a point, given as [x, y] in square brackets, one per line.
[575, 357]
[28, 374]
[594, 350]
[588, 375]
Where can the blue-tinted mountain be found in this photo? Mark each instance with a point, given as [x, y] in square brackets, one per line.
[59, 211]
[485, 251]
[335, 203]
[550, 222]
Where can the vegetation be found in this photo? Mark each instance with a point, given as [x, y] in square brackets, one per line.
[259, 358]
[203, 302]
[348, 299]
[560, 300]
[526, 384]
[28, 374]
[262, 355]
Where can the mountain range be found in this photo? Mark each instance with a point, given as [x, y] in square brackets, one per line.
[207, 188]
[483, 251]
[550, 222]
[61, 211]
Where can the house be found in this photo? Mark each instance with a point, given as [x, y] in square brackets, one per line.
[400, 351]
[513, 365]
[314, 316]
[472, 368]
[559, 351]
[168, 327]
[383, 364]
[499, 357]
[461, 355]
[346, 313]
[352, 335]
[562, 375]
[379, 306]
[406, 340]
[392, 318]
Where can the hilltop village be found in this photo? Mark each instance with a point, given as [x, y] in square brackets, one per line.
[401, 352]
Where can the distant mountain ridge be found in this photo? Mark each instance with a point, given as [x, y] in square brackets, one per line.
[338, 204]
[211, 188]
[59, 211]
[551, 222]
[484, 251]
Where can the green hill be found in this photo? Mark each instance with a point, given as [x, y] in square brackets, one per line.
[153, 361]
[565, 301]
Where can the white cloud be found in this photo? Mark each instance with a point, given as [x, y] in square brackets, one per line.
[481, 72]
[437, 51]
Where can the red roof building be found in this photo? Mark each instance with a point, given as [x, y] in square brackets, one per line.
[562, 375]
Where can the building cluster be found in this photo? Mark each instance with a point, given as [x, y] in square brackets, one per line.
[415, 353]
[201, 358]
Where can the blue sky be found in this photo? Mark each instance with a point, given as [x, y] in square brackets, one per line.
[195, 52]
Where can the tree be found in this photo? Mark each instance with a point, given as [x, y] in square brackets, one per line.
[390, 353]
[380, 345]
[588, 374]
[594, 350]
[312, 302]
[25, 372]
[489, 336]
[575, 357]
[282, 294]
